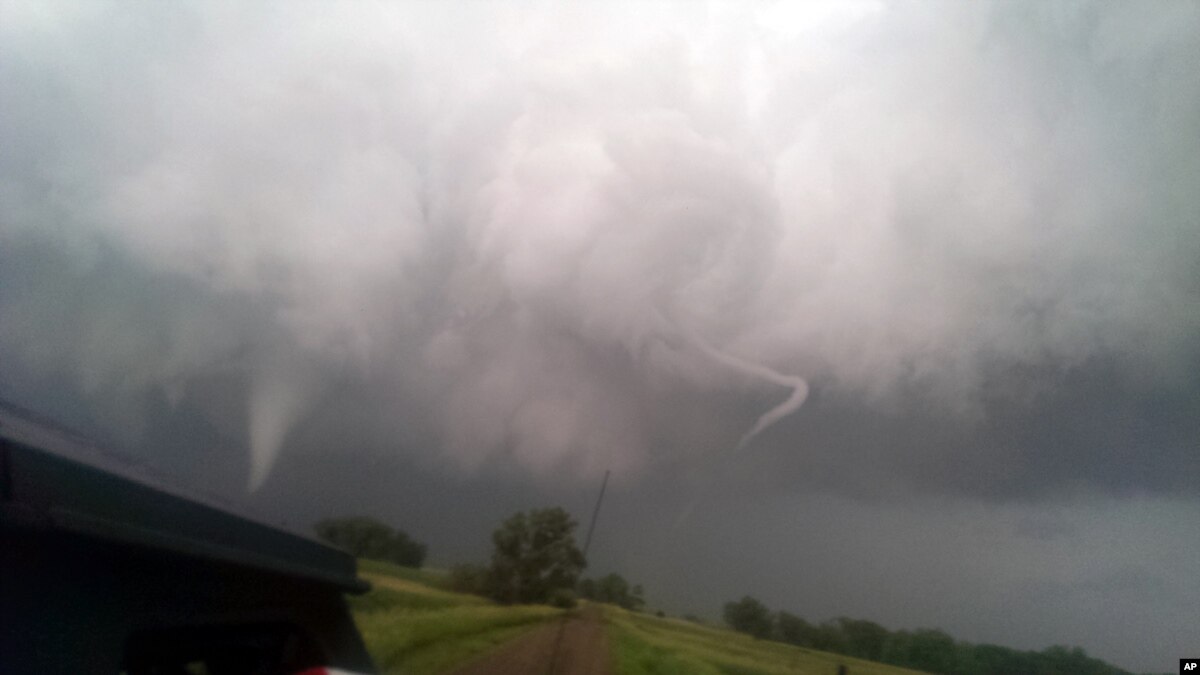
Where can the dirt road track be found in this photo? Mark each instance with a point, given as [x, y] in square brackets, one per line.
[583, 650]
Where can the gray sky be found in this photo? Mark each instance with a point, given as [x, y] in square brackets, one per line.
[442, 262]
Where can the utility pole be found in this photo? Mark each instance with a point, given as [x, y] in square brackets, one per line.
[587, 542]
[595, 512]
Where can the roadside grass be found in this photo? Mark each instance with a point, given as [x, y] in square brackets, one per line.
[432, 641]
[429, 576]
[635, 656]
[410, 626]
[390, 592]
[647, 645]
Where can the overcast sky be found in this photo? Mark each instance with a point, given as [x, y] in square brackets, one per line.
[887, 311]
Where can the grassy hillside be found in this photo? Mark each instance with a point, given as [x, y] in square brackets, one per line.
[411, 625]
[428, 576]
[646, 645]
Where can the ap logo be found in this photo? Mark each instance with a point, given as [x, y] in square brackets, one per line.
[1191, 666]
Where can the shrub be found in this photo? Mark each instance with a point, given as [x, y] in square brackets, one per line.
[365, 537]
[468, 579]
[563, 598]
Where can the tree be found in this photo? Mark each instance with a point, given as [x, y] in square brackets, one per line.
[612, 589]
[748, 615]
[828, 637]
[534, 555]
[864, 639]
[794, 630]
[468, 579]
[931, 650]
[365, 537]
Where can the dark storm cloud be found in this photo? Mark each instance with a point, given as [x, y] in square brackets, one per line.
[1091, 429]
[446, 264]
[582, 218]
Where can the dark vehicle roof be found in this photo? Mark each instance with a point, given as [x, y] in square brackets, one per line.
[53, 479]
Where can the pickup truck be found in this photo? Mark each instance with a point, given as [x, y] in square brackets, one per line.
[106, 567]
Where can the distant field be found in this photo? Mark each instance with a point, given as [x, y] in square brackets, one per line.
[426, 575]
[411, 625]
[647, 645]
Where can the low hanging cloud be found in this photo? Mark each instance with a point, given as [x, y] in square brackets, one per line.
[539, 225]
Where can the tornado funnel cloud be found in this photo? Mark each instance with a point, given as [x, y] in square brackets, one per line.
[278, 398]
[615, 234]
[797, 385]
[791, 404]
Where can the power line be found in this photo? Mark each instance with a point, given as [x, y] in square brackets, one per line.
[587, 542]
[595, 512]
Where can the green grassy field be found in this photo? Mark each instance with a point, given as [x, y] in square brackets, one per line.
[412, 625]
[646, 645]
[429, 576]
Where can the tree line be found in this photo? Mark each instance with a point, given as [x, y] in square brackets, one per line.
[535, 560]
[926, 649]
[365, 537]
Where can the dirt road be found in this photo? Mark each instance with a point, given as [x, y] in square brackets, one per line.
[582, 650]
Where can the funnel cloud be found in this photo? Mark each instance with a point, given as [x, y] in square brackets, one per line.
[901, 203]
[893, 253]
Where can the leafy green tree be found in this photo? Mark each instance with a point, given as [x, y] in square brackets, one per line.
[563, 598]
[896, 648]
[468, 579]
[794, 630]
[613, 589]
[931, 650]
[828, 637]
[748, 615]
[365, 537]
[863, 639]
[1074, 660]
[988, 659]
[534, 555]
